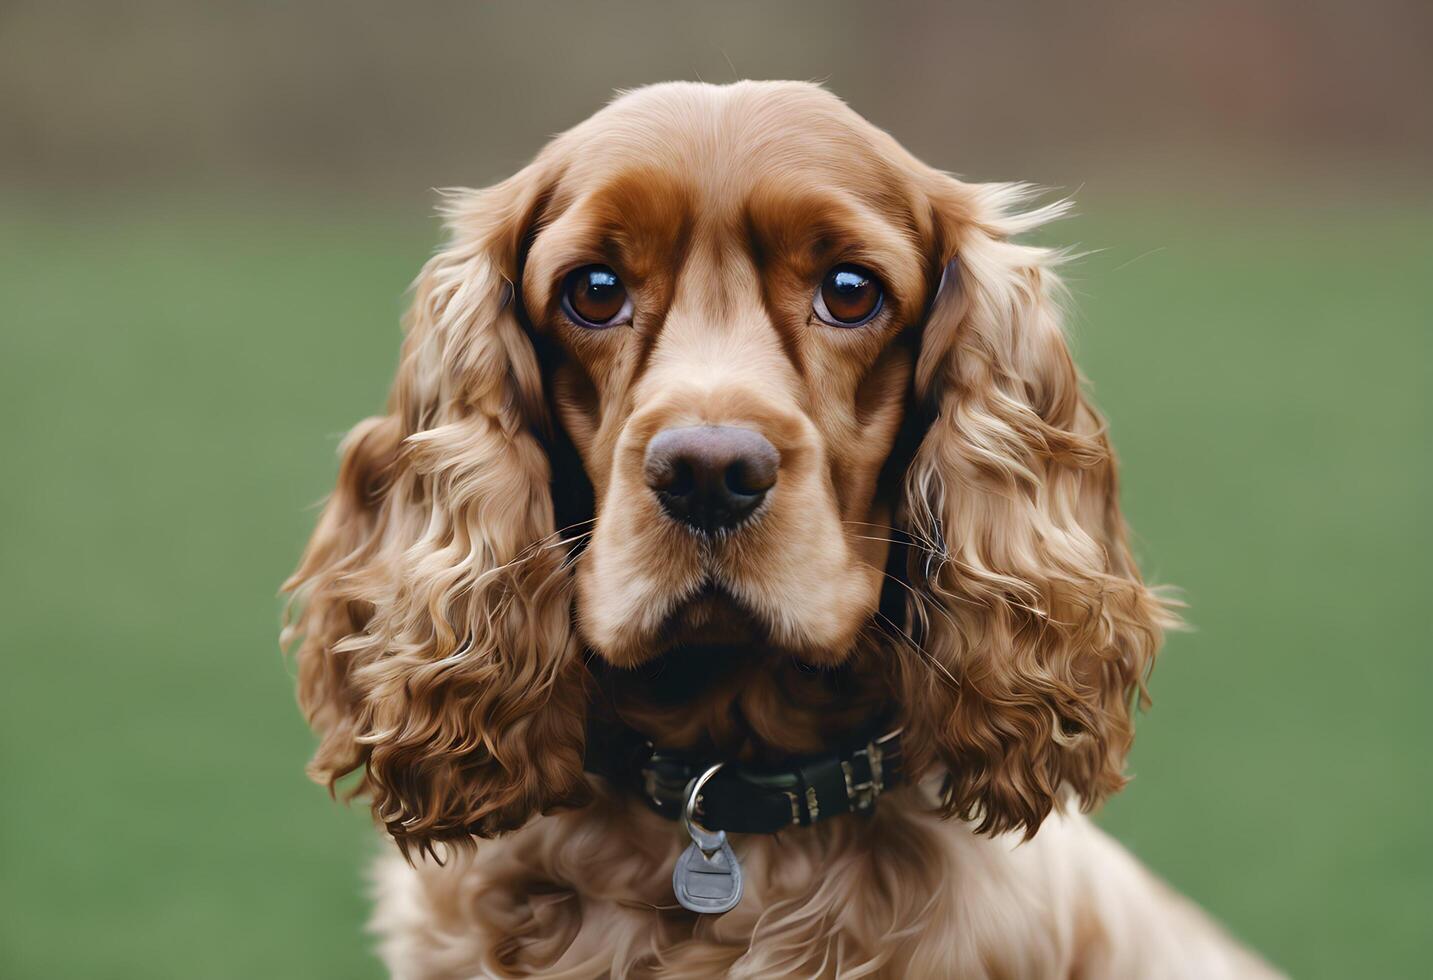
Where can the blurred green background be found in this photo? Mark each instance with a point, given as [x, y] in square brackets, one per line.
[209, 214]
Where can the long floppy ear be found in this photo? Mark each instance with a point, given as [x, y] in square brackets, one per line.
[433, 634]
[1024, 590]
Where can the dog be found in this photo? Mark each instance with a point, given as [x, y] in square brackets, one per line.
[736, 584]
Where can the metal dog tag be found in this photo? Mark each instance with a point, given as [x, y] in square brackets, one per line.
[707, 882]
[707, 877]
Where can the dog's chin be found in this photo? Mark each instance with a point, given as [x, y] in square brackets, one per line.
[712, 624]
[711, 618]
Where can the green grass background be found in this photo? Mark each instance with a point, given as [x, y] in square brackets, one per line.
[173, 380]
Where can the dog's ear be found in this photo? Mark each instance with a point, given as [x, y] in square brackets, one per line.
[432, 607]
[1025, 597]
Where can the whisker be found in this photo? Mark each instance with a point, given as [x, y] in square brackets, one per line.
[869, 537]
[884, 527]
[922, 599]
[908, 536]
[542, 544]
[510, 594]
[929, 657]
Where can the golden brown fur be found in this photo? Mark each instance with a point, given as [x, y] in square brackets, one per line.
[944, 543]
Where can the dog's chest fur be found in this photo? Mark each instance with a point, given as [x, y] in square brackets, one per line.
[588, 894]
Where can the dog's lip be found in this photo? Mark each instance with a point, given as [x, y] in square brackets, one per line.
[711, 616]
[715, 622]
[712, 591]
[712, 621]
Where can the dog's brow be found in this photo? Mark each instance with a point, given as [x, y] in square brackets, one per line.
[784, 224]
[648, 215]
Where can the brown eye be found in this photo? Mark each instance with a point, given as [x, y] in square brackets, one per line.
[849, 296]
[593, 296]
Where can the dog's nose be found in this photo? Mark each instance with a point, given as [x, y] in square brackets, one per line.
[710, 477]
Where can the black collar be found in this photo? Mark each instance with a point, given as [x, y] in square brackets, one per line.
[744, 800]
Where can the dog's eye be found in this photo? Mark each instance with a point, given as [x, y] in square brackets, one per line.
[593, 296]
[849, 296]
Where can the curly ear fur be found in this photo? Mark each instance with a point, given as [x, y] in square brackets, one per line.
[1025, 592]
[435, 651]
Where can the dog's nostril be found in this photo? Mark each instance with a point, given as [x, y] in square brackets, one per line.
[750, 476]
[710, 477]
[682, 481]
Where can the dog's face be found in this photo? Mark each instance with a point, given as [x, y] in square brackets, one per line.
[725, 368]
[728, 311]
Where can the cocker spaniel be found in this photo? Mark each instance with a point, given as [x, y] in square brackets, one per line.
[736, 584]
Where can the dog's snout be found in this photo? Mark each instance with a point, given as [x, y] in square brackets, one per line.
[710, 477]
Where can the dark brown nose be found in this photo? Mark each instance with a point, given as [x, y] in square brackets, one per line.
[710, 477]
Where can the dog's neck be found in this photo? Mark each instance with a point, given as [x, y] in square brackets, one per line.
[743, 703]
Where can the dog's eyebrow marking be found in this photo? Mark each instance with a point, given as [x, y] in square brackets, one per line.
[647, 217]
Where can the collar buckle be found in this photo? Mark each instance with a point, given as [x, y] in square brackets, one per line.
[865, 772]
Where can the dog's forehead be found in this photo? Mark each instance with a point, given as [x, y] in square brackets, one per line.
[724, 140]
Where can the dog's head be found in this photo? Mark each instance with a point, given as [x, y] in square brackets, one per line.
[723, 369]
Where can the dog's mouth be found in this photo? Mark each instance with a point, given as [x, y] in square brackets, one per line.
[719, 682]
[712, 617]
[714, 622]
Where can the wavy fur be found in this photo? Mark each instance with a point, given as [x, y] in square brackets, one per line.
[1025, 588]
[435, 648]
